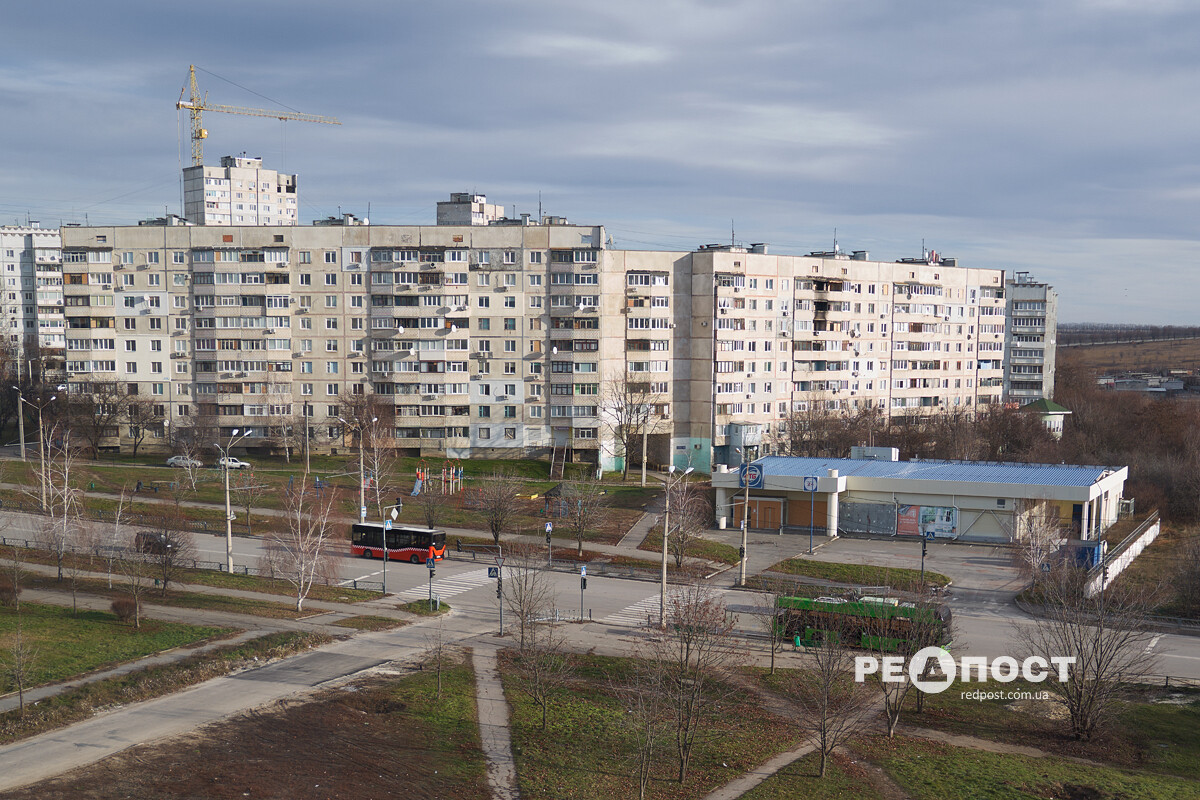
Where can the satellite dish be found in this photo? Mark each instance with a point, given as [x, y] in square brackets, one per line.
[399, 329]
[453, 328]
[554, 350]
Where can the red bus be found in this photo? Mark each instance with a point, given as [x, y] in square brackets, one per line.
[404, 542]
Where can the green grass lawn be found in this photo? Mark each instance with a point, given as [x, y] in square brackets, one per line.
[72, 645]
[421, 608]
[174, 597]
[587, 751]
[860, 574]
[370, 622]
[934, 771]
[699, 548]
[844, 779]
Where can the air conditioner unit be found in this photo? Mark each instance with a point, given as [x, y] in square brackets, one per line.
[724, 310]
[118, 266]
[737, 288]
[297, 355]
[269, 330]
[785, 313]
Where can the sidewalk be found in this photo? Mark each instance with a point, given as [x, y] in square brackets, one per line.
[494, 733]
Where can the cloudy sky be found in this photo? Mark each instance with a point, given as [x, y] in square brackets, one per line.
[1059, 137]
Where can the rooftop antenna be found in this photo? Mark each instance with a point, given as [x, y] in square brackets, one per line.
[835, 242]
[924, 252]
[732, 231]
[539, 206]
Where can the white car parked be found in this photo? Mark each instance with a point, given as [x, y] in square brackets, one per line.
[233, 463]
[184, 461]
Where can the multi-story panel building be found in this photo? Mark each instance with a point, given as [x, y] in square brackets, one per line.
[1030, 339]
[239, 192]
[31, 301]
[500, 339]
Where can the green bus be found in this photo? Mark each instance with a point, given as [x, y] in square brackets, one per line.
[872, 623]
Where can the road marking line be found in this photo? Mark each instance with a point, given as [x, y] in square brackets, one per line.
[1153, 642]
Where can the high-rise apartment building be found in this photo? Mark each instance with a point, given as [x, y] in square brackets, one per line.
[1030, 339]
[239, 192]
[505, 339]
[31, 296]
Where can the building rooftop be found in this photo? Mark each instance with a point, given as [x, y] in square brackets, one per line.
[962, 471]
[1045, 406]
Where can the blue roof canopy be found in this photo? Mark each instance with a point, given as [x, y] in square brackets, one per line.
[963, 471]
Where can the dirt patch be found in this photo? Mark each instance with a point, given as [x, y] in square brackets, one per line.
[354, 742]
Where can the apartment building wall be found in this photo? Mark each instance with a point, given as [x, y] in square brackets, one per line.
[499, 340]
[239, 192]
[1030, 339]
[32, 294]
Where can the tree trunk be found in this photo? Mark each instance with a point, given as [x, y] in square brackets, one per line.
[824, 757]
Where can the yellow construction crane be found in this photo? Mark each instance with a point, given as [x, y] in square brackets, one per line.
[197, 105]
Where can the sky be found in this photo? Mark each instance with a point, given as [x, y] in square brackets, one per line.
[1053, 137]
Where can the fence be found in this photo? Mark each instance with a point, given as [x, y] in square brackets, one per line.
[135, 519]
[1116, 560]
[648, 571]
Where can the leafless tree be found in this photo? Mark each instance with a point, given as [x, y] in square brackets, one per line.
[64, 501]
[890, 635]
[1038, 536]
[1106, 636]
[633, 412]
[175, 549]
[691, 654]
[431, 507]
[302, 550]
[19, 663]
[543, 667]
[380, 460]
[586, 503]
[835, 708]
[10, 581]
[439, 651]
[142, 419]
[647, 717]
[95, 413]
[690, 515]
[500, 501]
[766, 612]
[528, 592]
[133, 570]
[1186, 580]
[191, 473]
[246, 489]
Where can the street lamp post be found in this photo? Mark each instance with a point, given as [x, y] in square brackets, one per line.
[43, 450]
[362, 475]
[233, 439]
[662, 597]
[20, 416]
[745, 522]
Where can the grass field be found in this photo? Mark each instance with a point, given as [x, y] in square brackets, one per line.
[374, 739]
[69, 645]
[174, 597]
[934, 771]
[587, 750]
[908, 580]
[845, 779]
[1147, 356]
[699, 548]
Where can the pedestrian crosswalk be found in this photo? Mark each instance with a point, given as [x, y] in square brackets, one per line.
[448, 587]
[637, 613]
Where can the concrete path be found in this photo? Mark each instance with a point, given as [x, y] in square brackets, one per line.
[12, 701]
[631, 540]
[739, 786]
[494, 724]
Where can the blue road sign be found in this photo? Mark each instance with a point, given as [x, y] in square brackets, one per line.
[429, 562]
[929, 535]
[493, 572]
[810, 484]
[387, 524]
[751, 474]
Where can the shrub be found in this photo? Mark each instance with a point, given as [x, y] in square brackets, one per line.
[10, 591]
[125, 607]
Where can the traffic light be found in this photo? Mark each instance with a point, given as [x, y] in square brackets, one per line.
[741, 552]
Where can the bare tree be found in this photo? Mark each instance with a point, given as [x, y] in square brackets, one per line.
[95, 413]
[690, 515]
[1186, 580]
[528, 593]
[302, 550]
[246, 489]
[1038, 536]
[431, 507]
[924, 624]
[766, 612]
[142, 418]
[646, 718]
[586, 503]
[836, 708]
[380, 459]
[633, 412]
[134, 571]
[500, 501]
[690, 655]
[1106, 636]
[543, 667]
[190, 472]
[439, 651]
[169, 554]
[19, 663]
[64, 501]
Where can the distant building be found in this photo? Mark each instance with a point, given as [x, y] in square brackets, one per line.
[1030, 338]
[238, 193]
[31, 300]
[1053, 415]
[465, 208]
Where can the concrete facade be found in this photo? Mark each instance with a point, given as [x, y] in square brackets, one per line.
[948, 500]
[239, 192]
[32, 293]
[1030, 339]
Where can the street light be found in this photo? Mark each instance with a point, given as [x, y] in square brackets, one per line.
[233, 439]
[669, 485]
[362, 489]
[42, 449]
[20, 417]
[745, 519]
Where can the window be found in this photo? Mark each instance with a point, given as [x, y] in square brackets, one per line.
[330, 258]
[331, 279]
